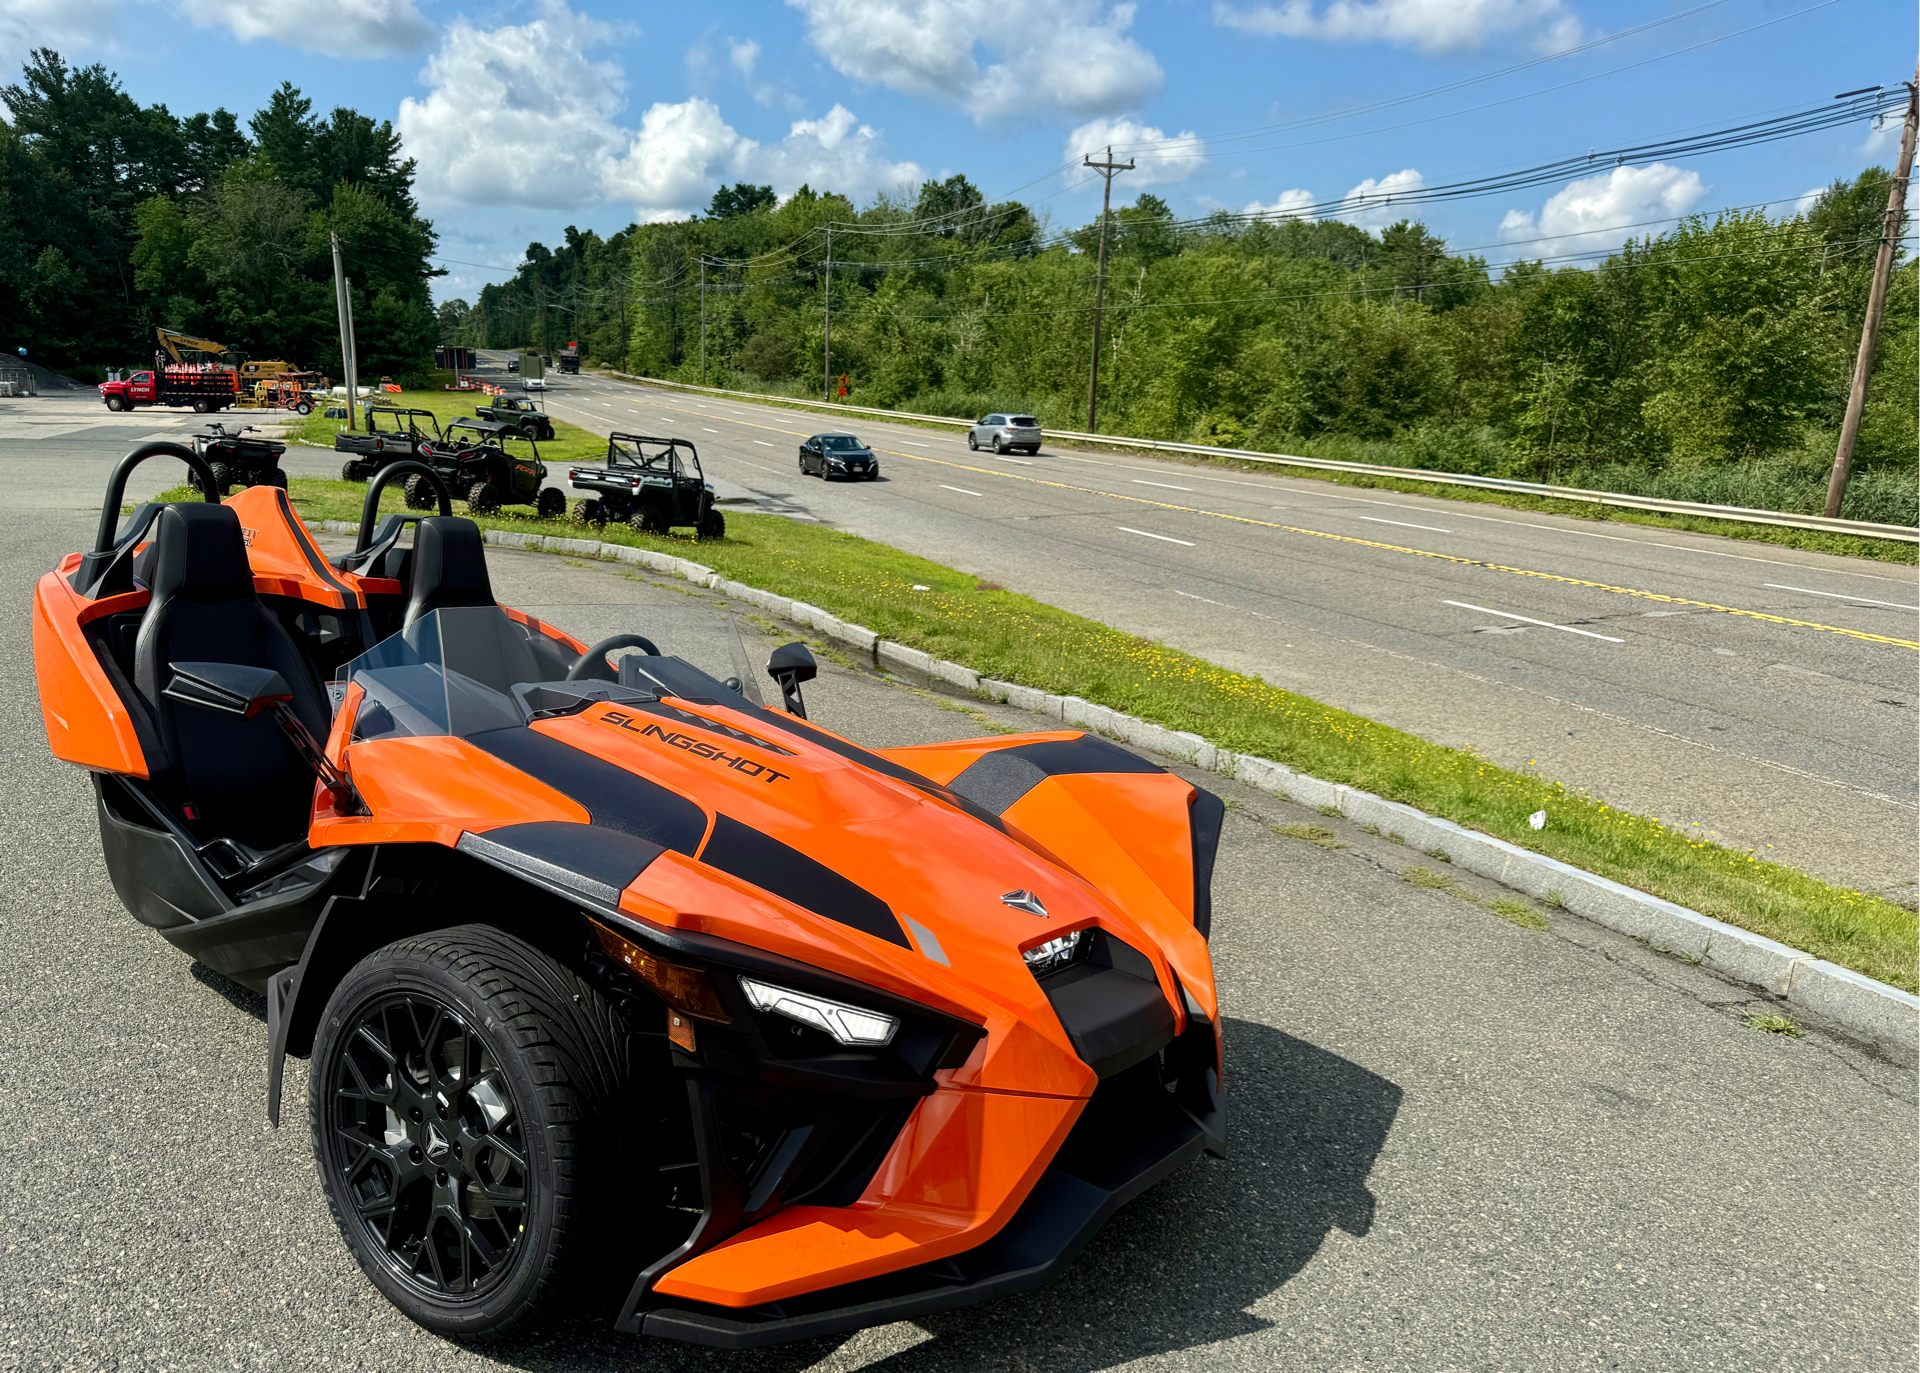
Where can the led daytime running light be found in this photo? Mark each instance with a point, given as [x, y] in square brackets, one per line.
[848, 1025]
[1055, 953]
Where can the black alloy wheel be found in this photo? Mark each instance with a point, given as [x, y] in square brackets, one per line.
[478, 1118]
[427, 1144]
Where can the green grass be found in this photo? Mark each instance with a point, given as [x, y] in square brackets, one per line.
[1814, 540]
[1519, 912]
[1313, 834]
[1013, 637]
[1775, 1025]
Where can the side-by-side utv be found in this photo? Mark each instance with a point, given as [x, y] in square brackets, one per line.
[472, 458]
[653, 484]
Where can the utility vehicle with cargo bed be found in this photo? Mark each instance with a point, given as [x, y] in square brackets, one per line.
[653, 484]
[373, 448]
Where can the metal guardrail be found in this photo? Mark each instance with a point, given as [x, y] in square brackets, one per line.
[1739, 514]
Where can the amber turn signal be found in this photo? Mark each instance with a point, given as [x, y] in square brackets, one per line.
[684, 989]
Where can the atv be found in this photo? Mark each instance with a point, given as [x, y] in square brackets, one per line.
[613, 976]
[652, 484]
[519, 415]
[237, 461]
[471, 458]
[406, 430]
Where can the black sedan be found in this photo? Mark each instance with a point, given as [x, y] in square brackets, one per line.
[838, 455]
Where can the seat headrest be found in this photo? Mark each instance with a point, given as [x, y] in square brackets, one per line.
[449, 566]
[199, 555]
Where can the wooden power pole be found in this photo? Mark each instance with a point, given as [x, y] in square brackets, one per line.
[703, 320]
[1876, 304]
[1107, 169]
[826, 347]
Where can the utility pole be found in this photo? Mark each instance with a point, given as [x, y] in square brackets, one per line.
[826, 347]
[703, 319]
[342, 307]
[1107, 169]
[1876, 303]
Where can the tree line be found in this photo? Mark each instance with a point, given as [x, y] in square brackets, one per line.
[116, 217]
[1709, 361]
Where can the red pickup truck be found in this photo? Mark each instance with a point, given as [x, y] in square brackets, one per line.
[204, 388]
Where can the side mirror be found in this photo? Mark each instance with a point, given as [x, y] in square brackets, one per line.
[790, 665]
[228, 688]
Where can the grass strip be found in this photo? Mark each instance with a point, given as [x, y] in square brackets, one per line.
[1013, 637]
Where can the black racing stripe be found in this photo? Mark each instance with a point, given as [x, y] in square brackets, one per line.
[792, 724]
[316, 563]
[618, 799]
[591, 860]
[761, 859]
[1204, 818]
[995, 781]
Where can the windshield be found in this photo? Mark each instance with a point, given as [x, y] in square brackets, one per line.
[842, 442]
[663, 459]
[1023, 421]
[466, 670]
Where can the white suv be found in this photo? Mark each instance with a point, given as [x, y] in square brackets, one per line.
[1006, 433]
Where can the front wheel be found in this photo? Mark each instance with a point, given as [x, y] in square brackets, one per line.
[278, 477]
[468, 1097]
[973, 444]
[482, 499]
[419, 493]
[551, 504]
[115, 403]
[713, 525]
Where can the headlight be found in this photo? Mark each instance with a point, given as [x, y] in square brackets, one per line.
[848, 1025]
[1055, 953]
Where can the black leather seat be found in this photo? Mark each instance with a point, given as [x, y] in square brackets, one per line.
[450, 571]
[449, 567]
[235, 779]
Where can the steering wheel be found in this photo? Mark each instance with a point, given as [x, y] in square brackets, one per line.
[384, 478]
[596, 657]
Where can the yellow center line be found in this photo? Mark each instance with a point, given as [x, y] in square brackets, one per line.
[1374, 543]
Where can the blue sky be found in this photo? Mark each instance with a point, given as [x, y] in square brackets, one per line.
[528, 117]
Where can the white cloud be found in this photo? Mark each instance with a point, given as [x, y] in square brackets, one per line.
[744, 53]
[1592, 214]
[342, 28]
[519, 113]
[1430, 25]
[1157, 159]
[1370, 204]
[1072, 55]
[522, 115]
[67, 26]
[1287, 205]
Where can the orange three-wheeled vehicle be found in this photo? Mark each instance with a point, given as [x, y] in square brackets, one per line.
[612, 980]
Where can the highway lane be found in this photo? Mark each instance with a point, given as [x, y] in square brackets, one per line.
[1456, 1144]
[1762, 696]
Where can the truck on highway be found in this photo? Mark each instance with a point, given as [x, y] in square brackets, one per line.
[569, 358]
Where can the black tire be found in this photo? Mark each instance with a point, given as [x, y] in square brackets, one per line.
[305, 407]
[346, 472]
[278, 478]
[479, 1200]
[649, 521]
[223, 479]
[419, 493]
[115, 403]
[713, 525]
[551, 503]
[803, 466]
[482, 499]
[873, 473]
[201, 407]
[589, 512]
[997, 448]
[973, 444]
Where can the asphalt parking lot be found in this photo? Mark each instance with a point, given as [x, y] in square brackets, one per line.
[1456, 1143]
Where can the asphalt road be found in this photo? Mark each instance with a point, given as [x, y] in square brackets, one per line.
[1649, 667]
[1456, 1144]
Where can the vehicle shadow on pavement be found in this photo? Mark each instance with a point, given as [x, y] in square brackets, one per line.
[1175, 1270]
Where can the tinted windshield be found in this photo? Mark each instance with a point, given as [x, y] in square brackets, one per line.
[843, 442]
[1023, 421]
[467, 670]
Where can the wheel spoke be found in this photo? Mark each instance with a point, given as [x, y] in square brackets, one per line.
[512, 1155]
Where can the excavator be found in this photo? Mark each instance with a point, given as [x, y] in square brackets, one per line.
[207, 376]
[206, 353]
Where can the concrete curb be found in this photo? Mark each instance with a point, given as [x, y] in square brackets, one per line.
[1884, 1016]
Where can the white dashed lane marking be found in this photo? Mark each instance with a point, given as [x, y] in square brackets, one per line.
[1544, 624]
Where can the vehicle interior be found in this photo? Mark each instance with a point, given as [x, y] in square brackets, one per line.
[661, 457]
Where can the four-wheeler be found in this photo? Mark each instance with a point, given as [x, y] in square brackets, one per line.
[1006, 434]
[238, 461]
[652, 484]
[472, 459]
[838, 455]
[610, 979]
[519, 415]
[376, 447]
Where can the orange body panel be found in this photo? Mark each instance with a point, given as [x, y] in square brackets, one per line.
[433, 790]
[87, 722]
[285, 559]
[954, 1178]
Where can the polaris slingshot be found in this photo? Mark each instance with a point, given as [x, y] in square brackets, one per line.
[612, 979]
